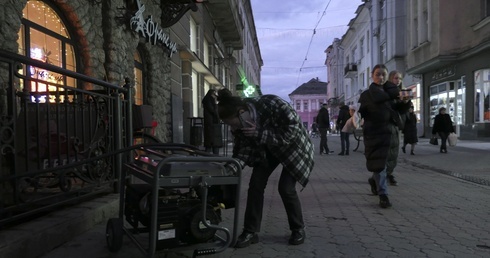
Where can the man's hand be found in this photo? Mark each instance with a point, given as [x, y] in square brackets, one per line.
[250, 131]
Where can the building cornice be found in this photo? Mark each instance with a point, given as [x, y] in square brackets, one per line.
[444, 60]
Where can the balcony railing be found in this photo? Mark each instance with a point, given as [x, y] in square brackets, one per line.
[350, 70]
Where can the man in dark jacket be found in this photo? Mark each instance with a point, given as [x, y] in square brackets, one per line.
[212, 126]
[344, 136]
[323, 121]
[443, 125]
[267, 133]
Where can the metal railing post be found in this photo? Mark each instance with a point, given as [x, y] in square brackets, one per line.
[129, 112]
[117, 119]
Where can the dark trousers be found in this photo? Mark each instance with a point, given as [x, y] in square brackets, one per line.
[215, 150]
[323, 140]
[344, 142]
[443, 136]
[255, 198]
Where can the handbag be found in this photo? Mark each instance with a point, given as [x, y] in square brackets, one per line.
[357, 120]
[452, 139]
[434, 141]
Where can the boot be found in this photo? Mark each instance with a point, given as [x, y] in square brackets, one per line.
[374, 188]
[347, 153]
[391, 180]
[403, 149]
[384, 202]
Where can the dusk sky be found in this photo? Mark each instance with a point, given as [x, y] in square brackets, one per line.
[291, 52]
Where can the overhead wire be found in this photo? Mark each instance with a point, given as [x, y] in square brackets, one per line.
[311, 40]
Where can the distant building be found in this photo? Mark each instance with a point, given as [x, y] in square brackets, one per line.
[308, 98]
[441, 49]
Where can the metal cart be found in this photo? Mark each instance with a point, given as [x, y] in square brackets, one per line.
[176, 197]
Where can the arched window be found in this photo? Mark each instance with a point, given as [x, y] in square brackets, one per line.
[43, 36]
[138, 79]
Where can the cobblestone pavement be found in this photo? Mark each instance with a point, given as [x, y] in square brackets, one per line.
[435, 212]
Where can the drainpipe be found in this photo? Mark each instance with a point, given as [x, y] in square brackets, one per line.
[371, 38]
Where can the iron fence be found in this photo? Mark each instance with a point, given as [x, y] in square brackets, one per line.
[63, 136]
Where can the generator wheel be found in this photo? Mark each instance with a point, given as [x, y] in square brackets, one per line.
[198, 231]
[114, 234]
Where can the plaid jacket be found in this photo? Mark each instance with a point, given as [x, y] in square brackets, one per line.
[281, 131]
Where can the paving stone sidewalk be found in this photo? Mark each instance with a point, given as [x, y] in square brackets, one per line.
[435, 213]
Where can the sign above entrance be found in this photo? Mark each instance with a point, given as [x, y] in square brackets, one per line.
[151, 30]
[444, 73]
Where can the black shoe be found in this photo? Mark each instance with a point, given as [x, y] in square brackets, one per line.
[341, 153]
[372, 183]
[297, 237]
[384, 202]
[411, 153]
[392, 180]
[403, 149]
[347, 153]
[246, 239]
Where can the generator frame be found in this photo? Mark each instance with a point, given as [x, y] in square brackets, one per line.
[146, 169]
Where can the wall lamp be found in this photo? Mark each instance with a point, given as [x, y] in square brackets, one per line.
[222, 58]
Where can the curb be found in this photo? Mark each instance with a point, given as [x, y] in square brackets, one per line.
[472, 179]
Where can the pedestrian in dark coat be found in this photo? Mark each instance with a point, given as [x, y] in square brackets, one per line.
[402, 106]
[443, 125]
[344, 136]
[379, 125]
[410, 131]
[323, 121]
[212, 126]
[267, 133]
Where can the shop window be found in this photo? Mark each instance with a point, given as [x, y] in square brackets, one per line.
[44, 37]
[138, 79]
[482, 99]
[438, 99]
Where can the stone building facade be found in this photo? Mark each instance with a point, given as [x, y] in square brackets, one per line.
[170, 73]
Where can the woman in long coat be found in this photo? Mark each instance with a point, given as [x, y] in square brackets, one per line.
[410, 131]
[379, 125]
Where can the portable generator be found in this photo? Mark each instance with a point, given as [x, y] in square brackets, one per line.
[179, 215]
